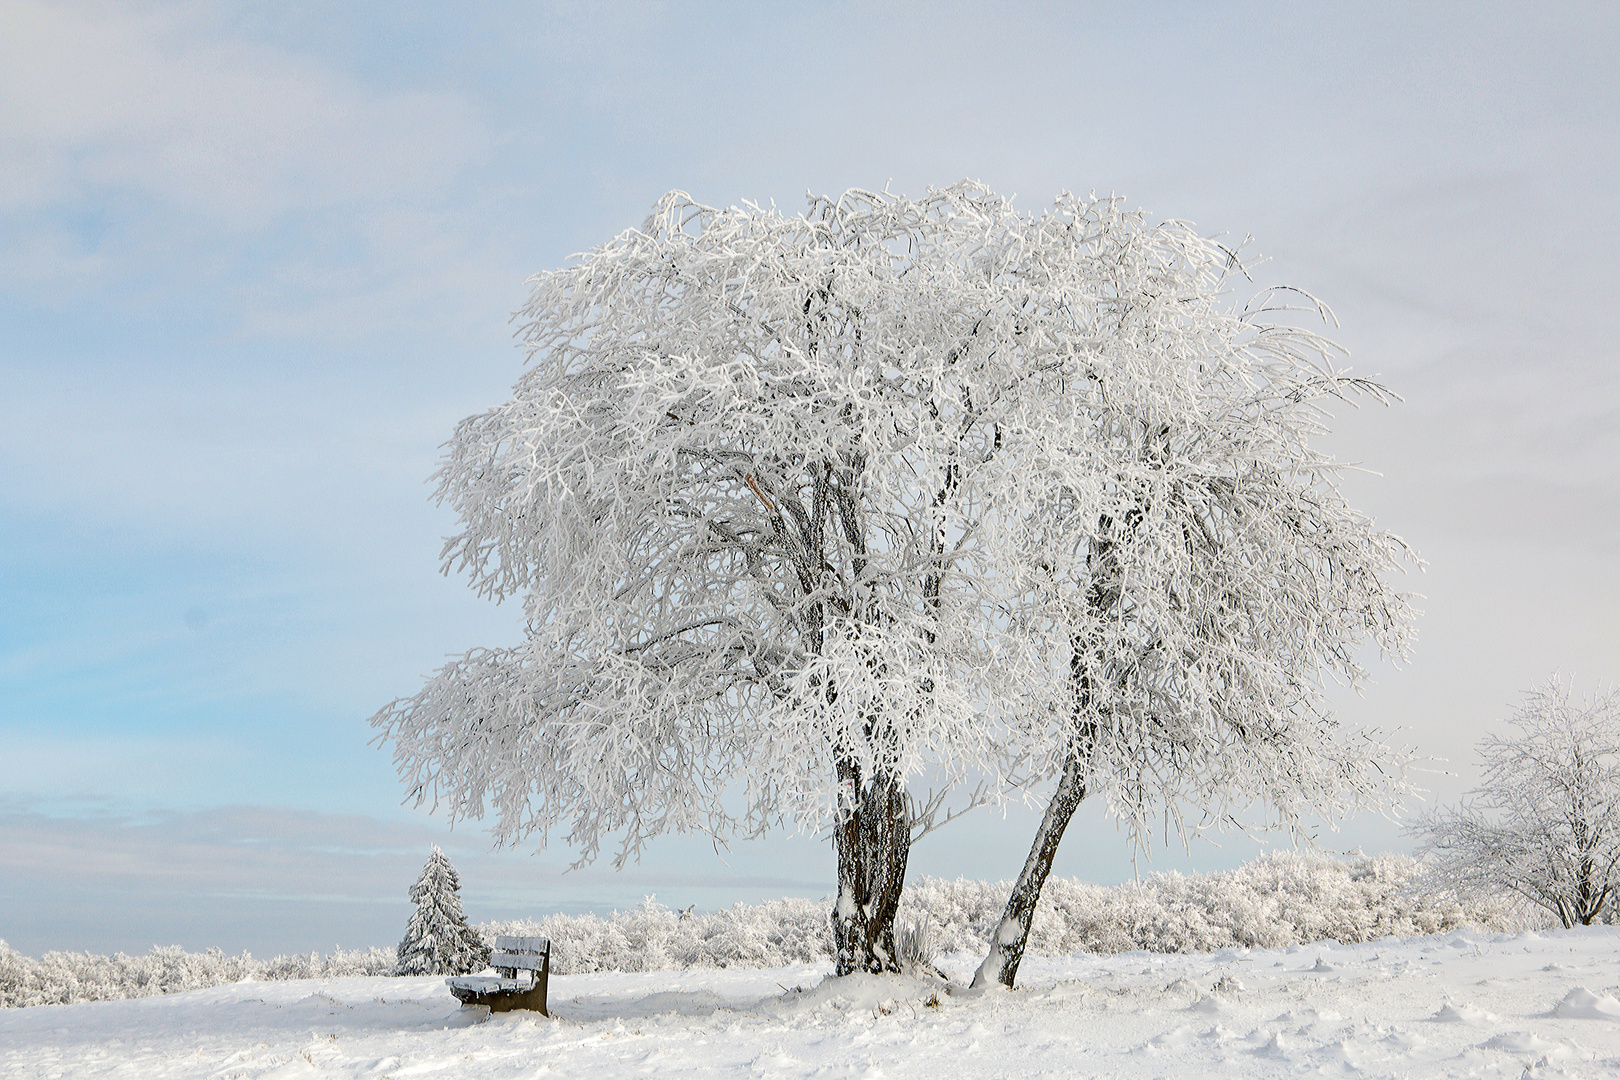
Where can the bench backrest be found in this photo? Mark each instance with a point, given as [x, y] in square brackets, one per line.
[508, 943]
[529, 953]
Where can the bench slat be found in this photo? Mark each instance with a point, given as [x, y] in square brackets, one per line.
[516, 960]
[509, 943]
[483, 984]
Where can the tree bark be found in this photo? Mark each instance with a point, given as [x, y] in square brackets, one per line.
[1007, 944]
[1012, 933]
[873, 838]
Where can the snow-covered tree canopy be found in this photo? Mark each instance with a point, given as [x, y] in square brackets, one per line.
[738, 492]
[894, 485]
[1183, 548]
[1545, 820]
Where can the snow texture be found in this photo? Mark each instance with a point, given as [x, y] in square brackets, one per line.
[1459, 1004]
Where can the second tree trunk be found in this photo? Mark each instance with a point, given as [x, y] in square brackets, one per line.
[1012, 933]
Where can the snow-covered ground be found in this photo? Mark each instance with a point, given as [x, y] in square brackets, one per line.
[1461, 1004]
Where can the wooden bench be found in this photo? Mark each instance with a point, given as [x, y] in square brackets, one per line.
[523, 965]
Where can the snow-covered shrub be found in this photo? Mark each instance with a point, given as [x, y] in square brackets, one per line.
[652, 937]
[60, 978]
[915, 946]
[1274, 901]
[1277, 900]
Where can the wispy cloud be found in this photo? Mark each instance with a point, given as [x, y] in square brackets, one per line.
[146, 140]
[155, 100]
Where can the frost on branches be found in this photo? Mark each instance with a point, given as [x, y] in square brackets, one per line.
[1181, 552]
[741, 492]
[802, 509]
[1546, 821]
[438, 940]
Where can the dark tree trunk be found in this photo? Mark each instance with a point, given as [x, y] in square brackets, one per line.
[1012, 933]
[873, 838]
[1588, 897]
[1103, 595]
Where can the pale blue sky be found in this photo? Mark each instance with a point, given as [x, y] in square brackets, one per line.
[256, 260]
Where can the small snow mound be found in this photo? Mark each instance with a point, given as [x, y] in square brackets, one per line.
[1581, 1004]
[1277, 1046]
[1185, 987]
[1300, 1019]
[1520, 1042]
[1323, 967]
[1462, 1014]
[877, 993]
[769, 1064]
[1178, 1038]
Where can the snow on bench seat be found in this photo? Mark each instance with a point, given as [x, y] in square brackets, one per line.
[524, 966]
[486, 984]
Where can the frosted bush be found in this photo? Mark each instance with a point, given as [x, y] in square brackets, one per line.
[59, 978]
[915, 947]
[652, 937]
[1275, 901]
[1272, 902]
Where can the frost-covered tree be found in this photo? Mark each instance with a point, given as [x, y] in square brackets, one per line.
[803, 508]
[1545, 821]
[1188, 559]
[741, 492]
[438, 940]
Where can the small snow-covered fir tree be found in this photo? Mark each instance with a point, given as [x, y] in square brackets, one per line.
[438, 940]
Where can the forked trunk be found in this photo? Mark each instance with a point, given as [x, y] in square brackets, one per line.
[873, 838]
[1012, 933]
